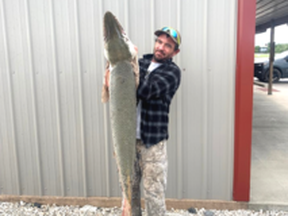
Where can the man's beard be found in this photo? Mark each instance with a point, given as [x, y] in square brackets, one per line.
[160, 60]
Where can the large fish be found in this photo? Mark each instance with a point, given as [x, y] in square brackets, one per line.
[123, 65]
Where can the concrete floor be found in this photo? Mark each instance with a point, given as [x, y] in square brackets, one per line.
[269, 168]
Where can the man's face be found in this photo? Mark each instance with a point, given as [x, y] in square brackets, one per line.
[164, 48]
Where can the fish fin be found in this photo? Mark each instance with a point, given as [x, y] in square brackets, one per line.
[126, 210]
[105, 90]
[105, 94]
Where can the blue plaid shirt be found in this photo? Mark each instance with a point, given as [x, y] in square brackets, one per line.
[156, 92]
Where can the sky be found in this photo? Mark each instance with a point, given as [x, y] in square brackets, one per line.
[281, 36]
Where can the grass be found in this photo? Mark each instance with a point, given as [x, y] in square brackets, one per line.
[261, 55]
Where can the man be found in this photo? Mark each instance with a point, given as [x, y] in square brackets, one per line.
[159, 80]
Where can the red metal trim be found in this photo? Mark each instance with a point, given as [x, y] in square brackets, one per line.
[244, 99]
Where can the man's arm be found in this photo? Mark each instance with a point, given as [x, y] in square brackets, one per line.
[159, 85]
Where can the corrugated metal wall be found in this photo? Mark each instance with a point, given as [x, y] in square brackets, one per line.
[54, 131]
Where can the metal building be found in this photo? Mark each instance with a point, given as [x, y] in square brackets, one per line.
[54, 130]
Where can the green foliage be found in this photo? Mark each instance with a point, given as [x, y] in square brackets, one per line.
[278, 48]
[257, 49]
[281, 48]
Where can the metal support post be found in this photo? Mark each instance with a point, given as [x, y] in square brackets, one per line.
[271, 60]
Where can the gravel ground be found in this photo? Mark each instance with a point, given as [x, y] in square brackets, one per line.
[23, 209]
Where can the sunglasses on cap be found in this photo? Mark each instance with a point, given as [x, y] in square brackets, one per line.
[172, 32]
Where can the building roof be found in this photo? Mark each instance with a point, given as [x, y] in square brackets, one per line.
[268, 11]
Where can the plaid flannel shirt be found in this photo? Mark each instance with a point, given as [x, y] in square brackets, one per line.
[156, 92]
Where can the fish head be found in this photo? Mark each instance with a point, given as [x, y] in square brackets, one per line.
[117, 46]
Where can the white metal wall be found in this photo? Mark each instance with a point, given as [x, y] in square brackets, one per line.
[54, 131]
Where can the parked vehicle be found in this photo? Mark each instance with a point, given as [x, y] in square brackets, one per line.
[280, 68]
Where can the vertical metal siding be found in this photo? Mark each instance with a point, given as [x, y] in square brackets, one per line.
[55, 137]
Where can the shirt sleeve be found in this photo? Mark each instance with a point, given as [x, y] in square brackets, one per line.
[158, 85]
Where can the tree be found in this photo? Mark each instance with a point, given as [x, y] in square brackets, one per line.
[278, 48]
[257, 49]
[281, 48]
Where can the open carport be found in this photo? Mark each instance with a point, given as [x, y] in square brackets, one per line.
[270, 120]
[270, 14]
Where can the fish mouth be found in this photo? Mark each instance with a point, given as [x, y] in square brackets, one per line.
[112, 28]
[117, 46]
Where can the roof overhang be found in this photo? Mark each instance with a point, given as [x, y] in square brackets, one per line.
[270, 12]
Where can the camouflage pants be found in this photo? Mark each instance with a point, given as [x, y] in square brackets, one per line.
[151, 164]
